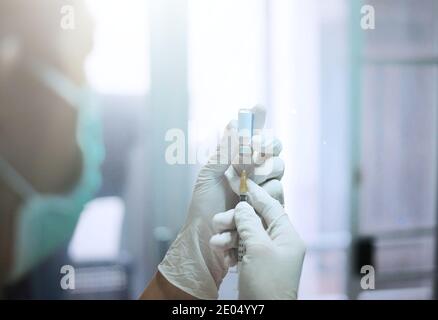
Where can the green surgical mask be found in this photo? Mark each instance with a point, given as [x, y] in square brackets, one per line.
[46, 221]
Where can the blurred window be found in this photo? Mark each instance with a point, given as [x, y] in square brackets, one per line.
[294, 57]
[118, 63]
[399, 146]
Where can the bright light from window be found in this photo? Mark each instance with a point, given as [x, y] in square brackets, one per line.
[119, 61]
[98, 234]
[226, 55]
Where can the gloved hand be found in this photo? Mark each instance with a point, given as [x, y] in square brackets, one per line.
[190, 264]
[271, 267]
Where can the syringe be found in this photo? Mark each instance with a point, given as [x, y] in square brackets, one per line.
[243, 194]
[245, 122]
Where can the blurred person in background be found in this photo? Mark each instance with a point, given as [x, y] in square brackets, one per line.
[50, 146]
[50, 154]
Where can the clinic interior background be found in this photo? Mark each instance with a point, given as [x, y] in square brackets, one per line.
[356, 112]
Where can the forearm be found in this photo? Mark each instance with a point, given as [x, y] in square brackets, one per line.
[161, 289]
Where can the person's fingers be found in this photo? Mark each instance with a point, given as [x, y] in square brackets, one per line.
[225, 152]
[249, 225]
[259, 117]
[272, 168]
[283, 233]
[268, 208]
[228, 147]
[264, 147]
[224, 241]
[279, 228]
[224, 221]
[233, 179]
[275, 189]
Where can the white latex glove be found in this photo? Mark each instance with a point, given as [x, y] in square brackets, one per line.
[271, 267]
[190, 264]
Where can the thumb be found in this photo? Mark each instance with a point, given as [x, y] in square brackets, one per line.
[269, 208]
[248, 224]
[225, 152]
